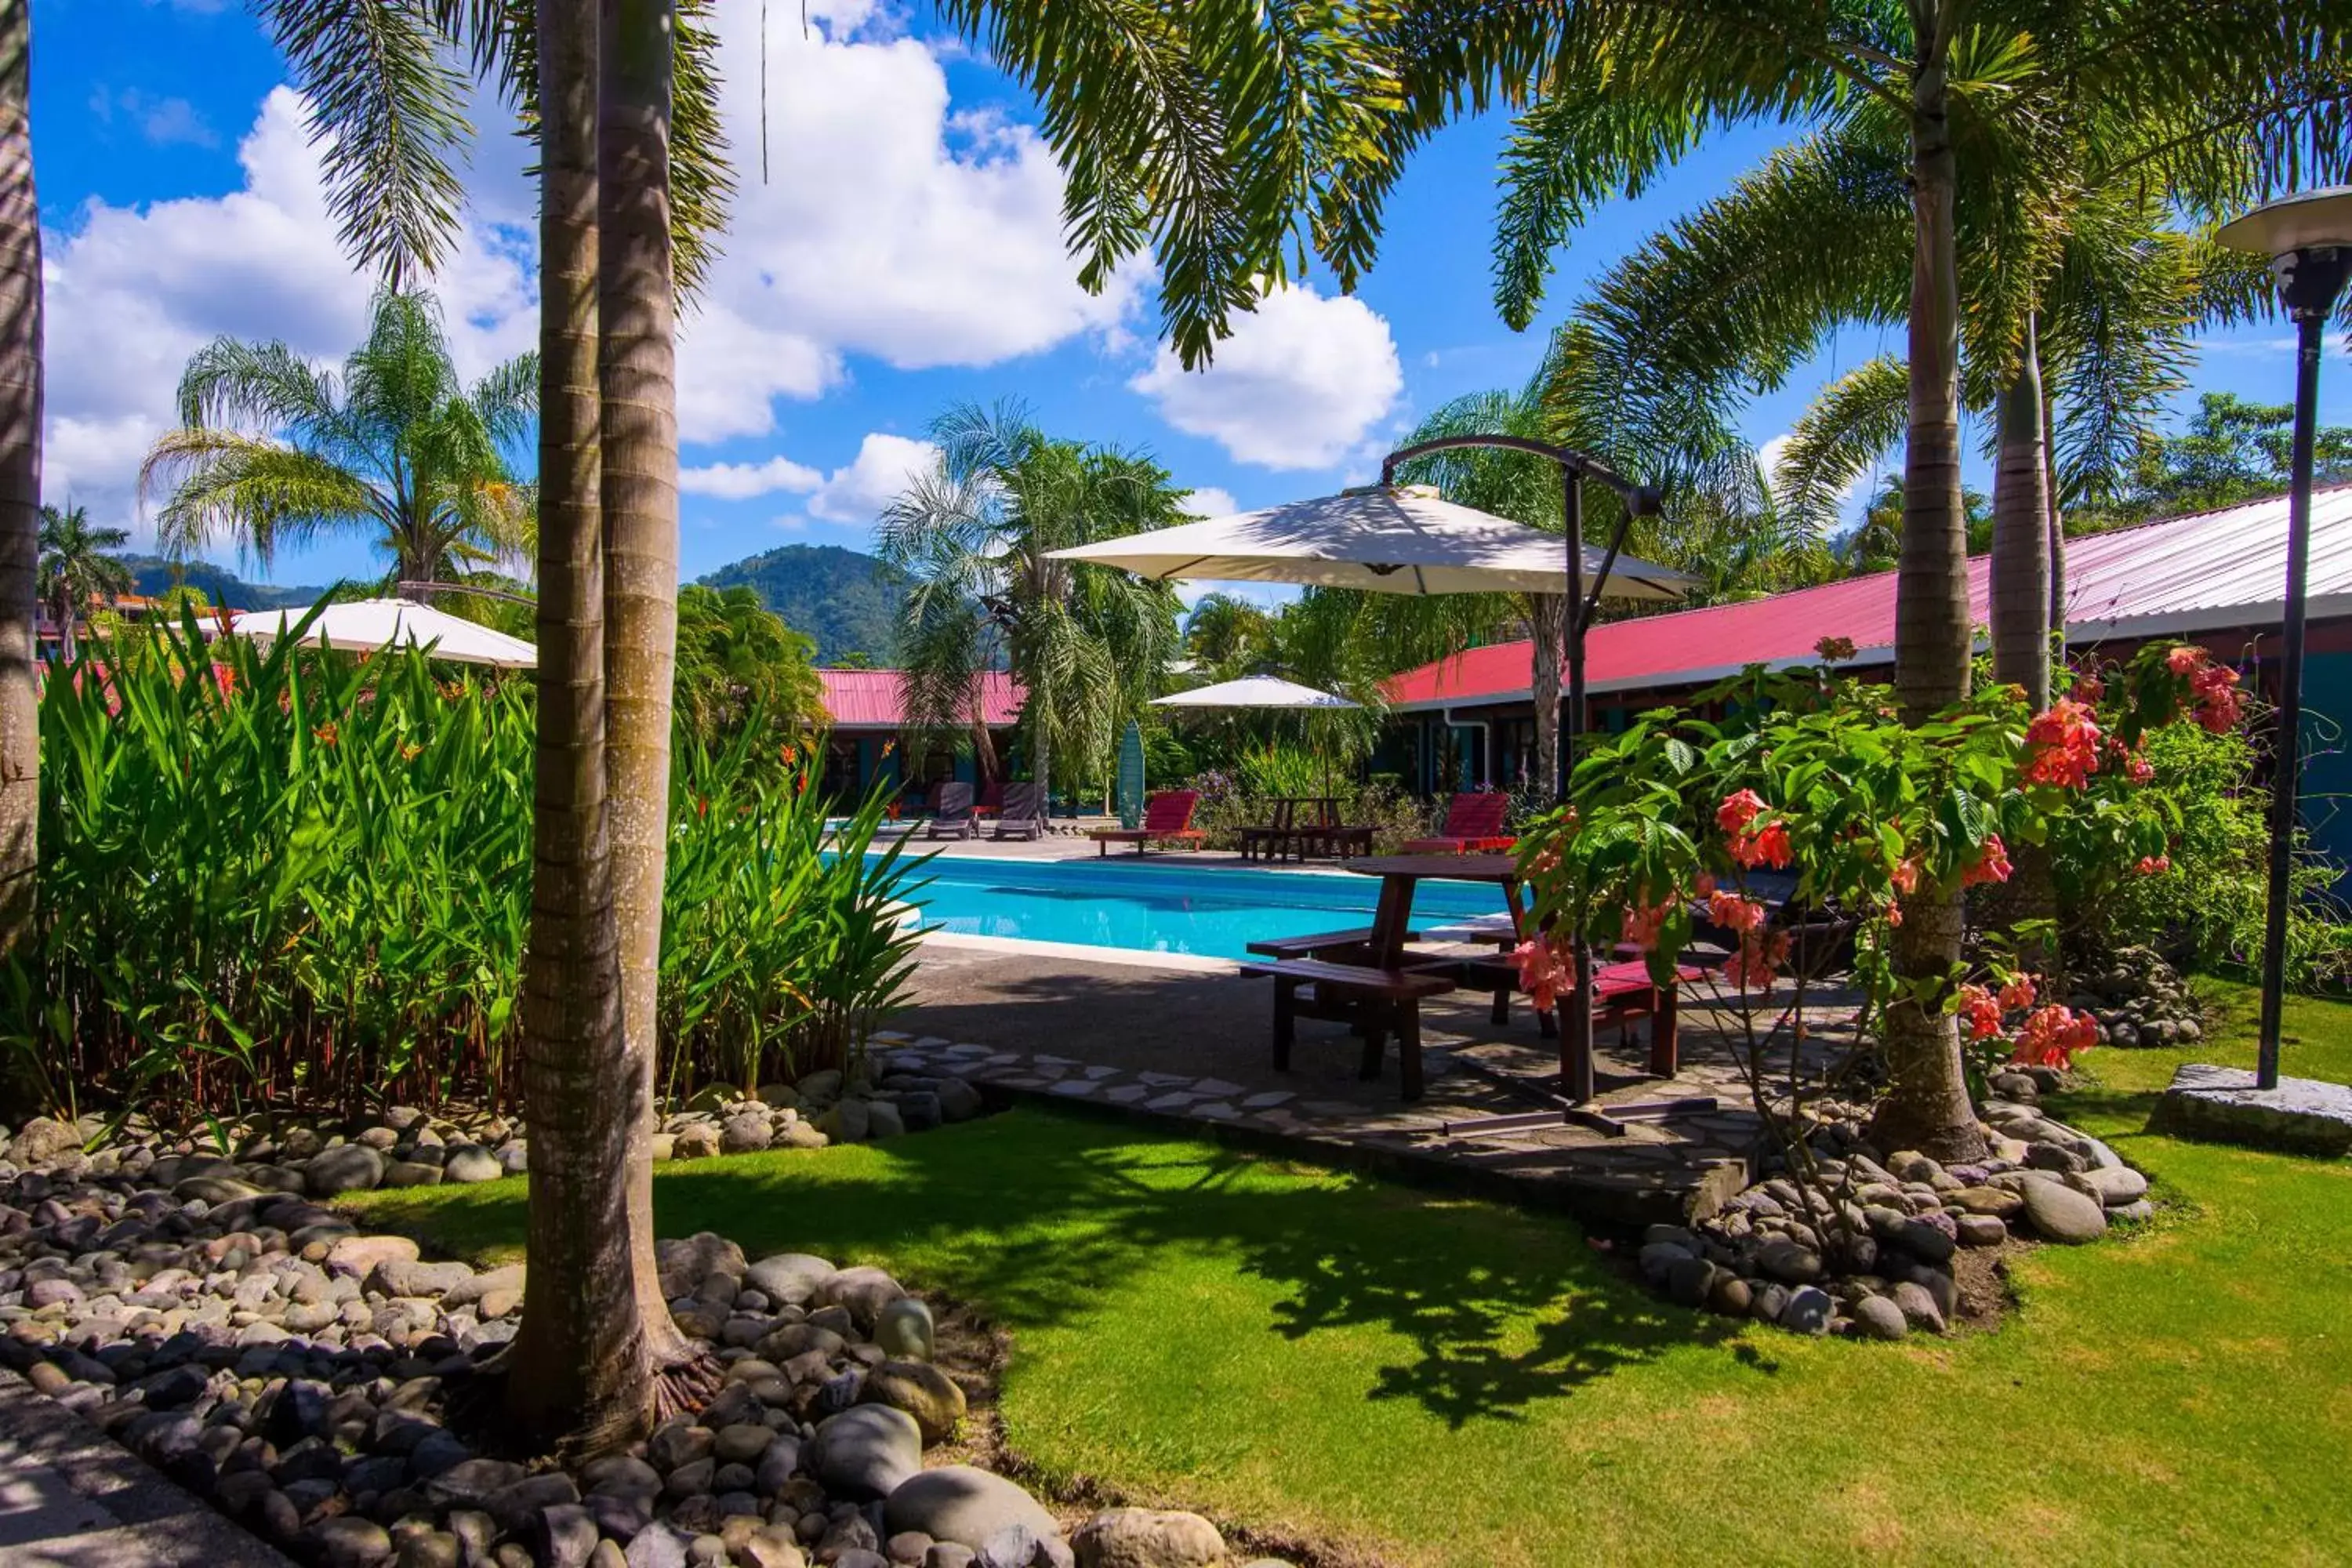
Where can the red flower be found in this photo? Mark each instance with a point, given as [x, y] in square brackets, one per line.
[2154, 864]
[1761, 955]
[2089, 688]
[2018, 995]
[2054, 1036]
[1894, 913]
[2185, 659]
[1905, 875]
[1641, 925]
[2219, 701]
[1980, 1012]
[1767, 846]
[2063, 745]
[1739, 810]
[1991, 866]
[1834, 651]
[1703, 884]
[1733, 912]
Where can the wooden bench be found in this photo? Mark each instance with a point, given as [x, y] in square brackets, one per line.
[1376, 1002]
[1318, 945]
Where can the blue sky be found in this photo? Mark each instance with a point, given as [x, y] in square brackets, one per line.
[903, 254]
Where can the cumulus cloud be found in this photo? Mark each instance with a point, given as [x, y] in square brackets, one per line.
[1210, 501]
[742, 481]
[885, 466]
[131, 292]
[1302, 379]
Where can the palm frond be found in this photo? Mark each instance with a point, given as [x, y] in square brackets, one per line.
[258, 493]
[1853, 422]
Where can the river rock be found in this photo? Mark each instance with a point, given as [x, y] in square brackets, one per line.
[746, 1132]
[904, 1329]
[867, 1452]
[1877, 1318]
[788, 1278]
[923, 1390]
[684, 1264]
[359, 1256]
[863, 1292]
[2058, 1213]
[1141, 1538]
[1807, 1310]
[472, 1162]
[2114, 1185]
[695, 1141]
[964, 1505]
[346, 1168]
[846, 1123]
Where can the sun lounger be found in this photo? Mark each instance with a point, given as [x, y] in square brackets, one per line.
[1474, 825]
[1025, 812]
[952, 817]
[1166, 819]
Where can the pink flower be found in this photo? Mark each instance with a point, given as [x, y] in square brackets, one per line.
[1703, 884]
[2154, 864]
[1767, 846]
[2219, 701]
[2185, 659]
[2018, 995]
[1642, 925]
[1761, 955]
[2054, 1036]
[2063, 745]
[2089, 688]
[1905, 875]
[1542, 975]
[1739, 810]
[1733, 912]
[1991, 866]
[1893, 914]
[1980, 1012]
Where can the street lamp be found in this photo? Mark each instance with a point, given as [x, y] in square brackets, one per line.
[2308, 238]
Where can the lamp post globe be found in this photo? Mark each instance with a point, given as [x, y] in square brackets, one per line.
[2308, 238]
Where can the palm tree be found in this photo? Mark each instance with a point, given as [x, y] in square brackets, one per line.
[271, 451]
[75, 568]
[1085, 643]
[1228, 636]
[20, 477]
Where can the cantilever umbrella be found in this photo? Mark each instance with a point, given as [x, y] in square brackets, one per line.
[363, 625]
[1403, 539]
[1262, 691]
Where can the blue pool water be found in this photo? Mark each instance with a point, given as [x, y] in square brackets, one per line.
[1164, 909]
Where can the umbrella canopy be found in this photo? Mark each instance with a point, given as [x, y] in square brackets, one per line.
[1256, 691]
[360, 625]
[1401, 540]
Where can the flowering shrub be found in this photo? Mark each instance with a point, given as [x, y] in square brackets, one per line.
[1819, 787]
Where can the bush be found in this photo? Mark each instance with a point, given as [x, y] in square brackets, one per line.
[288, 876]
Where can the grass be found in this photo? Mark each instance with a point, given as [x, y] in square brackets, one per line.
[1454, 1383]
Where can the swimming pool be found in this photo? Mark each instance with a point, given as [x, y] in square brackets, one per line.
[1163, 908]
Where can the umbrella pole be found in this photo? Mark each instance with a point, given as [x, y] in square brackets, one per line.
[1575, 1081]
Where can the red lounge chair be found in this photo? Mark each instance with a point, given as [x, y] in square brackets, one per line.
[1166, 819]
[992, 799]
[1474, 825]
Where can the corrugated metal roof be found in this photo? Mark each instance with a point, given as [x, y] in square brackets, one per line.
[2207, 571]
[874, 700]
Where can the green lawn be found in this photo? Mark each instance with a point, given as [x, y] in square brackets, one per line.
[1454, 1383]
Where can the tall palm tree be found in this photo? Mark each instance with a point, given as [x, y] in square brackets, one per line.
[20, 477]
[272, 451]
[1085, 643]
[1228, 636]
[75, 568]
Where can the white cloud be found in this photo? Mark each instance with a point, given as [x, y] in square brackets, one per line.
[1210, 501]
[1301, 381]
[131, 292]
[885, 466]
[162, 121]
[742, 481]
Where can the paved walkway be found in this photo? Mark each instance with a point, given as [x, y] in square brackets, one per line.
[71, 1498]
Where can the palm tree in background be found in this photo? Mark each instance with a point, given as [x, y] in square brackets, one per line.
[272, 451]
[1086, 644]
[76, 570]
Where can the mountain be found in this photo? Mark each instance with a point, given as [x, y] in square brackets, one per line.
[849, 602]
[155, 575]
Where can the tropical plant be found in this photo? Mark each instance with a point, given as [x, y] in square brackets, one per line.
[740, 668]
[2233, 451]
[1086, 644]
[75, 569]
[1227, 636]
[20, 475]
[271, 451]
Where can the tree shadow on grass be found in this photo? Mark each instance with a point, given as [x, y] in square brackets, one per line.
[1048, 1221]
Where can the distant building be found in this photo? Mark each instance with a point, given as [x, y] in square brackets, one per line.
[2217, 578]
[871, 738]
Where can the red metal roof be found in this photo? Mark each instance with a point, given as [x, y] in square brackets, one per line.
[2203, 572]
[871, 699]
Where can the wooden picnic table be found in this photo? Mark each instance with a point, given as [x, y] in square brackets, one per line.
[1401, 875]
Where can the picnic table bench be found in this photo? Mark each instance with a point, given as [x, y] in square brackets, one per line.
[1376, 1002]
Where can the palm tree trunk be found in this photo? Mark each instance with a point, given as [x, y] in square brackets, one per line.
[1041, 751]
[1547, 624]
[580, 1368]
[1928, 1106]
[638, 364]
[2057, 525]
[2018, 602]
[20, 478]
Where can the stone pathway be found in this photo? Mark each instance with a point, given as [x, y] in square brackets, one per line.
[71, 1498]
[1659, 1171]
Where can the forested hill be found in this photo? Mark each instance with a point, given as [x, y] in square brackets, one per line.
[155, 575]
[847, 601]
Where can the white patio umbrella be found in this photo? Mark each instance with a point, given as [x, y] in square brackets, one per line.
[363, 625]
[1402, 539]
[1263, 691]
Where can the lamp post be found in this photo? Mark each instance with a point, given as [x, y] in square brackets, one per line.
[2308, 238]
[1577, 1084]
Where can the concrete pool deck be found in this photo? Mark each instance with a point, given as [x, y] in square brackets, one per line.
[1191, 1050]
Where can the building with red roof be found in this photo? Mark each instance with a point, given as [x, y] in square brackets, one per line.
[2215, 577]
[871, 737]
